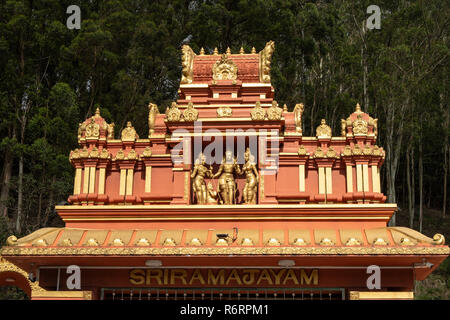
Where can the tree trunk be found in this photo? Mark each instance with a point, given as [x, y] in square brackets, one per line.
[6, 178]
[50, 205]
[19, 197]
[446, 124]
[420, 181]
[20, 179]
[409, 185]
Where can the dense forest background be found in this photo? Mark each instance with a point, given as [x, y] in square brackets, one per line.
[127, 53]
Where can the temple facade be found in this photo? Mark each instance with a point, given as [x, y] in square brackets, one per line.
[224, 198]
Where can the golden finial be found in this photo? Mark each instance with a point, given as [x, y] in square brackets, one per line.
[216, 52]
[228, 50]
[202, 51]
[285, 109]
[358, 108]
[241, 51]
[253, 50]
[97, 112]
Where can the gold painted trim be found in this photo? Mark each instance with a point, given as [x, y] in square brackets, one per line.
[349, 178]
[225, 218]
[329, 180]
[148, 179]
[101, 181]
[77, 182]
[281, 250]
[85, 295]
[322, 187]
[360, 295]
[257, 206]
[86, 180]
[301, 177]
[123, 181]
[359, 178]
[92, 179]
[130, 176]
[365, 178]
[376, 179]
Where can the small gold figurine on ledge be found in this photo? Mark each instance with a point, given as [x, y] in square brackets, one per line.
[198, 175]
[227, 185]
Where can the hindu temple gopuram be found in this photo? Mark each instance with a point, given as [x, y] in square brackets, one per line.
[224, 198]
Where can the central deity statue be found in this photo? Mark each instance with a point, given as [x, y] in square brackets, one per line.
[227, 185]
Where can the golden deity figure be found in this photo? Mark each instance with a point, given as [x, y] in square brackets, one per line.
[252, 178]
[212, 195]
[323, 131]
[198, 175]
[227, 185]
[298, 112]
[152, 113]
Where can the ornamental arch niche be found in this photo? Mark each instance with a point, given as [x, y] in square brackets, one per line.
[11, 275]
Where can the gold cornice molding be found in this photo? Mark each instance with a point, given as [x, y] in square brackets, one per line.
[84, 295]
[257, 206]
[252, 251]
[374, 295]
[226, 218]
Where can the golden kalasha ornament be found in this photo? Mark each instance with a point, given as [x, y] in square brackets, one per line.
[258, 113]
[173, 114]
[274, 112]
[190, 114]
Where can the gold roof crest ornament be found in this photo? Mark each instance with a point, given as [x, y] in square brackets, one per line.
[152, 113]
[360, 126]
[173, 114]
[92, 130]
[258, 113]
[190, 114]
[265, 59]
[187, 63]
[224, 112]
[224, 69]
[274, 112]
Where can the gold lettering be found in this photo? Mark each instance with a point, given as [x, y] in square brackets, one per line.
[166, 276]
[137, 276]
[157, 276]
[178, 274]
[249, 276]
[214, 280]
[278, 275]
[197, 275]
[234, 276]
[290, 275]
[265, 276]
[314, 276]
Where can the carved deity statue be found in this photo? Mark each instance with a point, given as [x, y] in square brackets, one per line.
[152, 112]
[227, 185]
[252, 178]
[198, 175]
[129, 133]
[211, 195]
[323, 130]
[298, 112]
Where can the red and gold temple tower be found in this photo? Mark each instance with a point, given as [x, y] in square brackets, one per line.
[148, 221]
